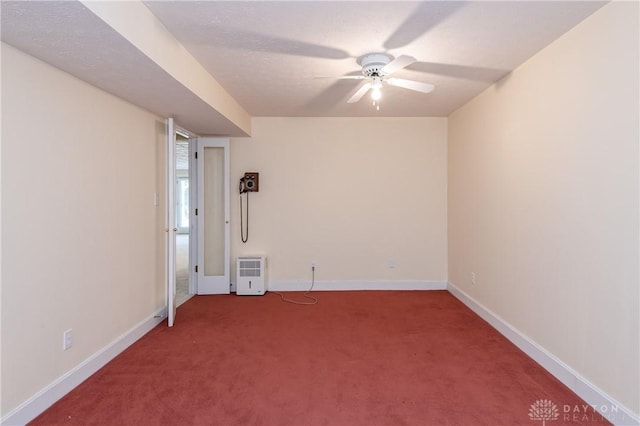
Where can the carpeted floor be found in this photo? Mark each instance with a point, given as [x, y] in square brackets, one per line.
[356, 358]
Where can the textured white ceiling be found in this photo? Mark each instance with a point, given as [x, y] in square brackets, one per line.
[267, 55]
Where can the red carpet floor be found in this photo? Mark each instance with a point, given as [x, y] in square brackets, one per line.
[356, 358]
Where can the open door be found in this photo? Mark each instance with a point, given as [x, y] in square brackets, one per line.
[213, 216]
[170, 224]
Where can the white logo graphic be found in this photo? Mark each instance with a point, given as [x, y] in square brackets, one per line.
[544, 410]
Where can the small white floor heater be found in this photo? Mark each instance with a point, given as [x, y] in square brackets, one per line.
[251, 276]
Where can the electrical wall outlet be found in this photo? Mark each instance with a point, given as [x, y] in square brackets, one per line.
[473, 278]
[314, 264]
[391, 263]
[67, 339]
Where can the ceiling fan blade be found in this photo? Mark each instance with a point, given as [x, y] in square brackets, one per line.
[411, 85]
[359, 93]
[397, 64]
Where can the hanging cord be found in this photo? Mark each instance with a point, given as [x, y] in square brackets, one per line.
[244, 237]
[306, 294]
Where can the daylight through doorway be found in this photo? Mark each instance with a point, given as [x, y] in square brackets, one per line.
[182, 219]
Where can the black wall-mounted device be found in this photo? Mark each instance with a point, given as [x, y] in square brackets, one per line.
[250, 182]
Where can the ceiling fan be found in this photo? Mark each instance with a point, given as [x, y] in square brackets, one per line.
[376, 68]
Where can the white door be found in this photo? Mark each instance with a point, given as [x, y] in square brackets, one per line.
[213, 216]
[170, 222]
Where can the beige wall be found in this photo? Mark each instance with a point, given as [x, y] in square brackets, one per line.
[543, 199]
[348, 193]
[81, 237]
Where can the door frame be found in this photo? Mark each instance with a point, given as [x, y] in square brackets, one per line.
[195, 276]
[170, 222]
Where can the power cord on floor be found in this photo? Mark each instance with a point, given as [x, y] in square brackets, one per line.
[313, 299]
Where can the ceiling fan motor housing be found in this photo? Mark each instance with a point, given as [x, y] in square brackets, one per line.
[373, 63]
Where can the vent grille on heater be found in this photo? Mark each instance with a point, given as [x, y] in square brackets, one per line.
[249, 268]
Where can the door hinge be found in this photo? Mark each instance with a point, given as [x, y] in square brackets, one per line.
[196, 155]
[196, 268]
[196, 212]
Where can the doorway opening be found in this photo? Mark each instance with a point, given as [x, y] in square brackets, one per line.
[182, 225]
[196, 184]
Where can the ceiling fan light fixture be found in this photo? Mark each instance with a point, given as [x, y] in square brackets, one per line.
[376, 85]
[376, 94]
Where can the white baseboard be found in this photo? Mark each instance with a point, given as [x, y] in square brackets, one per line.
[356, 285]
[42, 400]
[611, 409]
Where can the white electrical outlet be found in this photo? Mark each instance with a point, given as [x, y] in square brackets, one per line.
[391, 263]
[314, 264]
[67, 339]
[473, 278]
